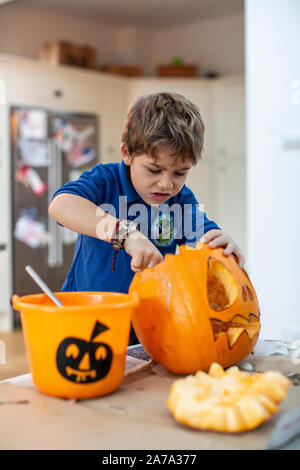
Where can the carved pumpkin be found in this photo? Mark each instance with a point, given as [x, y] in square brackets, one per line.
[231, 401]
[196, 308]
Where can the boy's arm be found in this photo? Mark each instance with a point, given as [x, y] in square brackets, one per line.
[83, 216]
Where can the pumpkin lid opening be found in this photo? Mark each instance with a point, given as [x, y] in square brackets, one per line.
[222, 288]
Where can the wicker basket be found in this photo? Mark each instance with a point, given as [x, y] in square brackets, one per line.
[66, 53]
[177, 70]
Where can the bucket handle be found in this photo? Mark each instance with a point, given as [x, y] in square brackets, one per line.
[14, 301]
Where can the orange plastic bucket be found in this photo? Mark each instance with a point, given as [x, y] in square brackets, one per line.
[77, 351]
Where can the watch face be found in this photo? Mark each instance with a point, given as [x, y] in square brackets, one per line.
[131, 227]
[125, 227]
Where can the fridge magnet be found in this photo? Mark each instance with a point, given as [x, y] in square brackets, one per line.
[30, 231]
[33, 152]
[80, 154]
[64, 134]
[32, 124]
[30, 178]
[85, 133]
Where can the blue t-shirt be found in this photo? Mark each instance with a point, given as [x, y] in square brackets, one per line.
[177, 221]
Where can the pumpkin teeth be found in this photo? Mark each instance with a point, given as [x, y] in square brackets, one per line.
[235, 327]
[234, 334]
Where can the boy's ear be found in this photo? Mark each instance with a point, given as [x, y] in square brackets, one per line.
[125, 154]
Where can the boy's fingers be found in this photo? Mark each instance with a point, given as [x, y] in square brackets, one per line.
[238, 255]
[154, 261]
[210, 235]
[145, 260]
[229, 249]
[137, 262]
[241, 261]
[219, 241]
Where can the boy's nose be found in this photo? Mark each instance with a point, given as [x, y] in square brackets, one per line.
[166, 184]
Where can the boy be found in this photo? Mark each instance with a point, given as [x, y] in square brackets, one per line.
[162, 139]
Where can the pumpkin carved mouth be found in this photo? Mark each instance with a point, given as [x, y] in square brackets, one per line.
[222, 291]
[234, 328]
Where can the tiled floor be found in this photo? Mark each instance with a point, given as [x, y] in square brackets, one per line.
[15, 356]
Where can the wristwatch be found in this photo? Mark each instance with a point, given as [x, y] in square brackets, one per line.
[122, 229]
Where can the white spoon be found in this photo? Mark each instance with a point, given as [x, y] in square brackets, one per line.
[43, 286]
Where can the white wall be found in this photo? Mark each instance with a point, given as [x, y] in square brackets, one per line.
[273, 195]
[213, 44]
[23, 29]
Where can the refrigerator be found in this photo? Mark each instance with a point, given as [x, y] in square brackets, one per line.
[48, 149]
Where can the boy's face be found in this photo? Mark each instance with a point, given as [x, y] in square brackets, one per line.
[156, 180]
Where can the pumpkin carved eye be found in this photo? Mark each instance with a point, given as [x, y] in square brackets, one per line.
[247, 293]
[251, 297]
[222, 289]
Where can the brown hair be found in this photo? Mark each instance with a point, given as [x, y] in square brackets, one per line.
[164, 120]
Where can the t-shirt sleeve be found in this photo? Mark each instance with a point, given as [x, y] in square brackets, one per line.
[195, 221]
[91, 185]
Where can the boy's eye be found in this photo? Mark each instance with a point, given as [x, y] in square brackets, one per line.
[177, 173]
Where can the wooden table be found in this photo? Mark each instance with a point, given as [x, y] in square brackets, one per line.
[135, 416]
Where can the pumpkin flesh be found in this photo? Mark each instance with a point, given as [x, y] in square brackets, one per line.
[227, 401]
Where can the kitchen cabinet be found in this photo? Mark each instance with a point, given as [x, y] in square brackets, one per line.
[228, 109]
[229, 156]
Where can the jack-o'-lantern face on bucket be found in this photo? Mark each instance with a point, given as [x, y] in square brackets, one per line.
[84, 361]
[196, 308]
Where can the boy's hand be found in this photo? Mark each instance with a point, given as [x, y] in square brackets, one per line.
[216, 238]
[144, 254]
